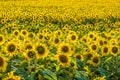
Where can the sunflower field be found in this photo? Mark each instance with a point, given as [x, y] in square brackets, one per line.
[60, 40]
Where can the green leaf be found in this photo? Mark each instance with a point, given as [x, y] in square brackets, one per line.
[49, 75]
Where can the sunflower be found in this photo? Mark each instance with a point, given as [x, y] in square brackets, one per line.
[100, 41]
[41, 50]
[84, 39]
[105, 50]
[100, 78]
[79, 56]
[88, 55]
[28, 46]
[3, 63]
[92, 36]
[93, 46]
[64, 48]
[11, 76]
[11, 48]
[113, 42]
[56, 41]
[63, 59]
[24, 33]
[16, 33]
[72, 37]
[95, 60]
[2, 39]
[31, 35]
[30, 54]
[40, 36]
[114, 50]
[58, 33]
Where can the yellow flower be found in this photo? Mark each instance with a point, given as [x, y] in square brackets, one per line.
[64, 48]
[40, 36]
[56, 41]
[41, 50]
[100, 78]
[93, 46]
[3, 63]
[87, 70]
[72, 38]
[30, 54]
[63, 59]
[11, 48]
[88, 55]
[24, 33]
[95, 60]
[105, 50]
[28, 46]
[16, 33]
[11, 76]
[58, 33]
[2, 39]
[79, 56]
[31, 35]
[114, 50]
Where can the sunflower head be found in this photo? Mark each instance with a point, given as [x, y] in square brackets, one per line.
[105, 50]
[41, 50]
[88, 55]
[28, 46]
[72, 37]
[58, 33]
[11, 48]
[24, 32]
[11, 76]
[114, 50]
[30, 54]
[40, 36]
[3, 63]
[95, 60]
[31, 35]
[2, 40]
[93, 46]
[63, 59]
[16, 33]
[79, 57]
[56, 41]
[64, 48]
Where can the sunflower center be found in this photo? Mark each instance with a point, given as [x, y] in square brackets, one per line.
[10, 79]
[56, 40]
[63, 58]
[40, 36]
[11, 48]
[95, 60]
[78, 57]
[105, 49]
[30, 35]
[58, 33]
[1, 61]
[89, 56]
[40, 49]
[28, 47]
[73, 37]
[16, 33]
[24, 32]
[1, 38]
[114, 50]
[91, 36]
[85, 40]
[101, 42]
[65, 49]
[31, 54]
[94, 47]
